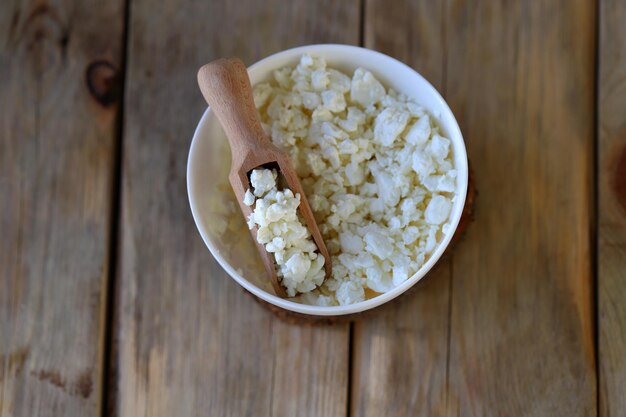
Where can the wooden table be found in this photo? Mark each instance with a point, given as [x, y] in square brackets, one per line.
[111, 305]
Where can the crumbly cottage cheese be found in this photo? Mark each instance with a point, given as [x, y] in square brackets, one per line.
[300, 266]
[377, 171]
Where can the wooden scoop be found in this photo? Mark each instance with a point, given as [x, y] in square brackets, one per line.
[226, 87]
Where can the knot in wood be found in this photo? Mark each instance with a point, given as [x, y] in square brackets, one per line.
[103, 81]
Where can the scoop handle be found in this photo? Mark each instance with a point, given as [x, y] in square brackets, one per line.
[226, 88]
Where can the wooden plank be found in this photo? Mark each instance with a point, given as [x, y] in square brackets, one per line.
[612, 208]
[400, 352]
[191, 342]
[521, 340]
[57, 146]
[520, 79]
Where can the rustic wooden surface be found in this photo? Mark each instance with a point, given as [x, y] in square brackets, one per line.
[522, 324]
[57, 144]
[471, 343]
[190, 340]
[506, 325]
[612, 209]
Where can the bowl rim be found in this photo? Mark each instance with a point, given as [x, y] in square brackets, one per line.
[452, 129]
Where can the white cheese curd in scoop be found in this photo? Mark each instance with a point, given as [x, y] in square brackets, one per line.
[300, 267]
[378, 173]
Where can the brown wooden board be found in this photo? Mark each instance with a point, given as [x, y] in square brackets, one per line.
[57, 151]
[503, 326]
[612, 208]
[512, 332]
[190, 342]
[520, 79]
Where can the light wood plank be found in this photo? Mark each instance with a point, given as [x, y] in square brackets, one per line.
[190, 341]
[400, 352]
[520, 79]
[612, 208]
[56, 168]
[492, 367]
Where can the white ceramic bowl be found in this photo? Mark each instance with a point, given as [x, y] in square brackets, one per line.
[212, 201]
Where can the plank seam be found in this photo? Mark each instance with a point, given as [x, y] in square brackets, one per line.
[444, 78]
[350, 368]
[109, 367]
[444, 40]
[362, 23]
[595, 186]
[449, 334]
[273, 375]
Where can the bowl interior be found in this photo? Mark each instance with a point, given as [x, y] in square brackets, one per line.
[213, 204]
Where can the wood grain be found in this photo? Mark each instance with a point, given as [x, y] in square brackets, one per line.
[190, 341]
[399, 362]
[520, 79]
[612, 208]
[57, 143]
